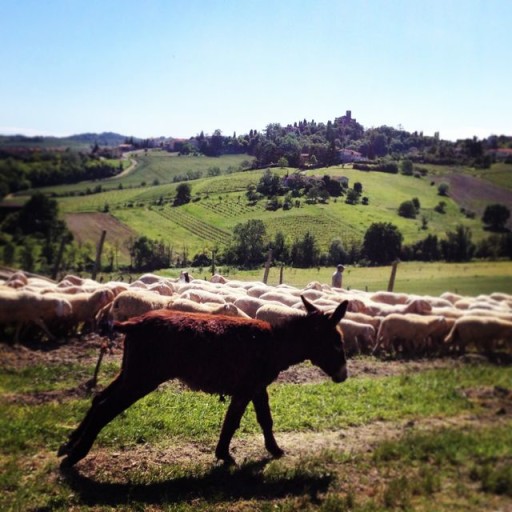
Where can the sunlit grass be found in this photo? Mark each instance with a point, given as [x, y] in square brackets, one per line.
[424, 469]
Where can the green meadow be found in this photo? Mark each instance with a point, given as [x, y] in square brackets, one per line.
[473, 279]
[401, 442]
[220, 202]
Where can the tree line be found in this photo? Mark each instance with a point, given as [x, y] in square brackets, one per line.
[31, 238]
[311, 144]
[22, 169]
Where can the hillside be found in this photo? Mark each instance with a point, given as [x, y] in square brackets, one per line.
[219, 203]
[78, 142]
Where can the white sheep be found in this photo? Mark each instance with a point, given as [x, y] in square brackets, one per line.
[484, 333]
[249, 305]
[199, 295]
[451, 297]
[213, 308]
[17, 280]
[410, 332]
[258, 290]
[362, 318]
[390, 298]
[276, 314]
[359, 338]
[415, 306]
[217, 278]
[84, 308]
[161, 288]
[135, 302]
[282, 297]
[28, 308]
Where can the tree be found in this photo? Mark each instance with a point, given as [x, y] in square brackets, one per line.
[332, 186]
[269, 184]
[282, 162]
[407, 210]
[352, 196]
[305, 253]
[183, 194]
[39, 215]
[382, 243]
[337, 253]
[149, 255]
[406, 167]
[280, 248]
[247, 246]
[458, 245]
[443, 189]
[141, 252]
[495, 217]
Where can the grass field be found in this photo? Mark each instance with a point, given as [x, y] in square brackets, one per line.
[220, 203]
[393, 437]
[472, 279]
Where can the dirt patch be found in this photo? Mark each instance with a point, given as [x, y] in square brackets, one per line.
[116, 463]
[83, 350]
[474, 193]
[87, 227]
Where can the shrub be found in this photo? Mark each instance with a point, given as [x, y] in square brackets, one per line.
[443, 189]
[407, 210]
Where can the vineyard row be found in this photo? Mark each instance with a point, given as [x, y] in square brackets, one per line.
[197, 227]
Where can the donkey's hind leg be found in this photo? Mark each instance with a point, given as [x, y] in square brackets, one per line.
[264, 417]
[101, 413]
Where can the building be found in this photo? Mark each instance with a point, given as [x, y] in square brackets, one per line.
[349, 155]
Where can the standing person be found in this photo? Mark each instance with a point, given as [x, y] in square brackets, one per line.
[337, 277]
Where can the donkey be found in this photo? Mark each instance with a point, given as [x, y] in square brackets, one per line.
[231, 356]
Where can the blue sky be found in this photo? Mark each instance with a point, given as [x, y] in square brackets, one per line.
[152, 68]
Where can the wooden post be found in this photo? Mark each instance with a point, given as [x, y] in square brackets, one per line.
[267, 266]
[99, 250]
[213, 263]
[281, 274]
[391, 283]
[55, 270]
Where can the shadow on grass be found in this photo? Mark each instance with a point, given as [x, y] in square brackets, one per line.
[219, 484]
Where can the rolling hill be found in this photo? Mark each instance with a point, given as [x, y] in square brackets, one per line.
[219, 203]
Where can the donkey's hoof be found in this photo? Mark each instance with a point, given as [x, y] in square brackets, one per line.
[277, 452]
[66, 464]
[226, 459]
[63, 450]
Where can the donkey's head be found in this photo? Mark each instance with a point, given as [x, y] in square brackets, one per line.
[326, 343]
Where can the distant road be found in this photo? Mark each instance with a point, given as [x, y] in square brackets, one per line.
[129, 169]
[125, 172]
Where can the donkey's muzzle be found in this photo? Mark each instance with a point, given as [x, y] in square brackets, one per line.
[341, 375]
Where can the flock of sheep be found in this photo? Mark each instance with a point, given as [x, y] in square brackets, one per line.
[379, 323]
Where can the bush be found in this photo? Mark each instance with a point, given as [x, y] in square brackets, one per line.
[443, 189]
[440, 207]
[407, 210]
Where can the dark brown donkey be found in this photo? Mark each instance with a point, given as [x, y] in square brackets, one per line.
[231, 356]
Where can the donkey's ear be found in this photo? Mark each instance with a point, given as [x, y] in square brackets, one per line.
[339, 312]
[310, 308]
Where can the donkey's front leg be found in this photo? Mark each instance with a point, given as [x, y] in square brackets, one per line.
[264, 416]
[232, 419]
[75, 435]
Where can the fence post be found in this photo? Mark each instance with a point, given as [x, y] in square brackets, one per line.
[281, 274]
[99, 250]
[391, 283]
[213, 263]
[267, 266]
[55, 270]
